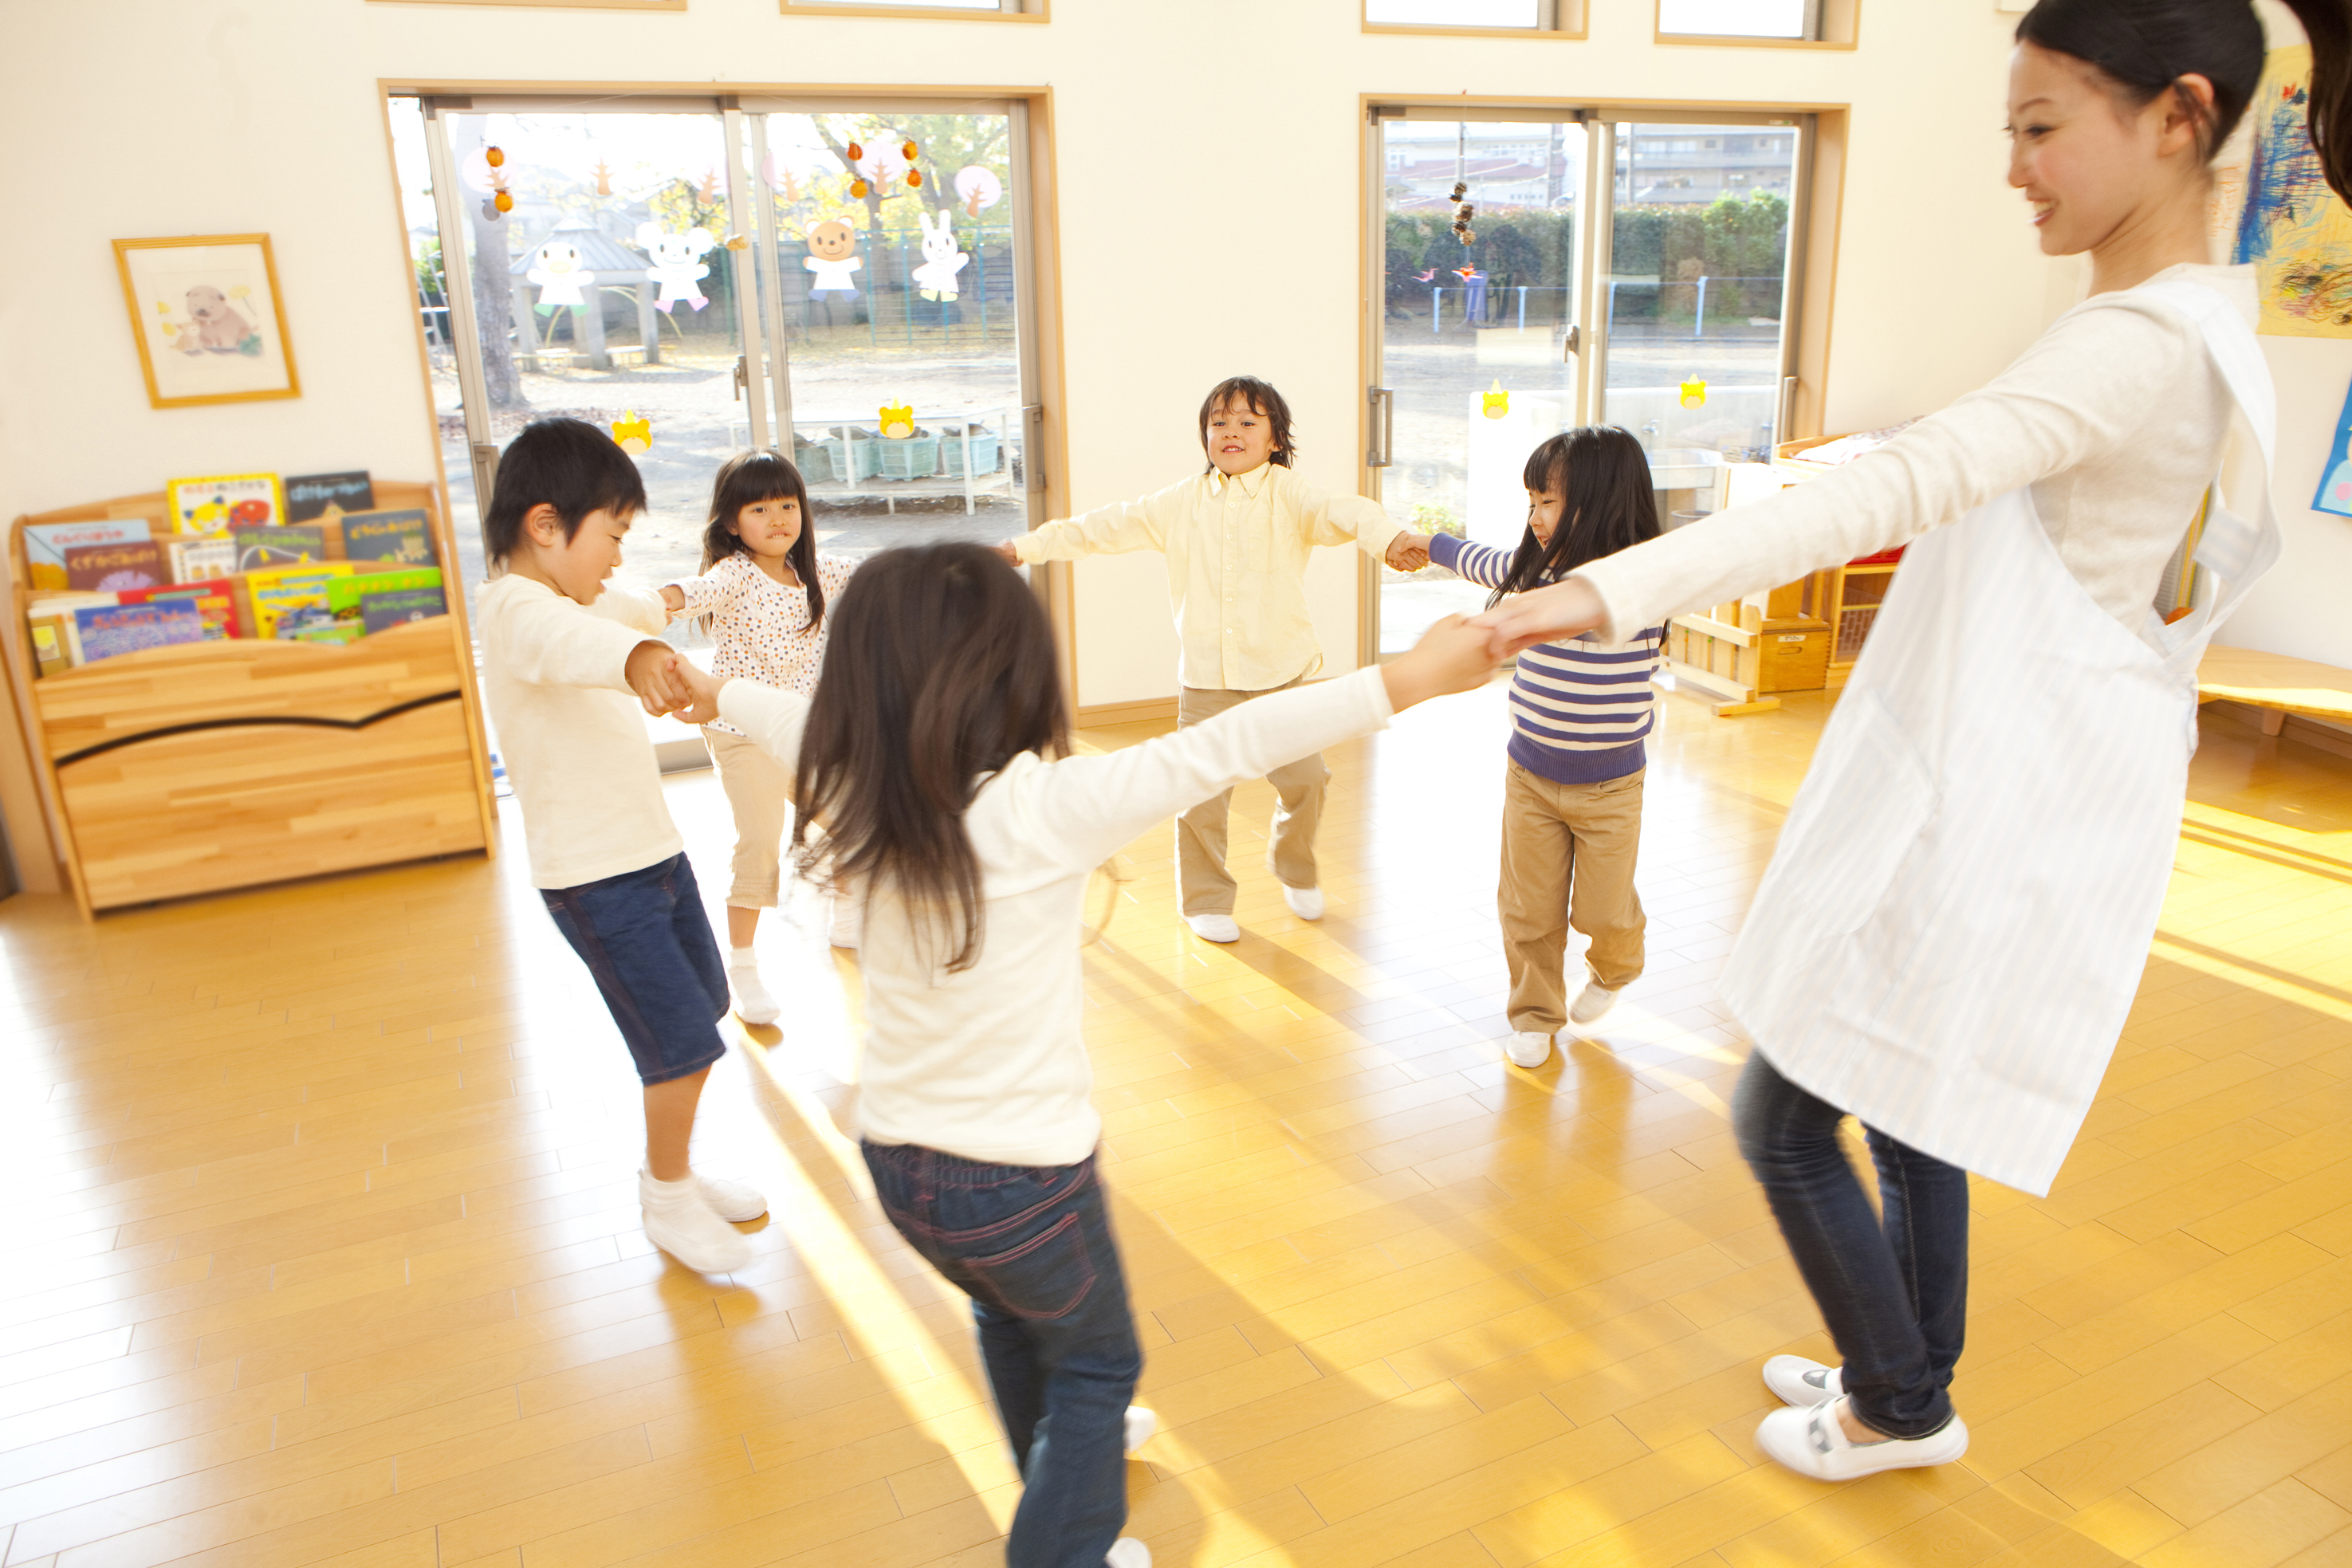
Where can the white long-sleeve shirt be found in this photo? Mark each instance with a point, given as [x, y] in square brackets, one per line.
[990, 1063]
[1236, 549]
[571, 734]
[2117, 419]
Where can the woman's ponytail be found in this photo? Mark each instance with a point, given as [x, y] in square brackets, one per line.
[2328, 25]
[2145, 46]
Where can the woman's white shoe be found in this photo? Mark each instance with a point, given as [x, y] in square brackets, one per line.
[1795, 1381]
[1813, 1442]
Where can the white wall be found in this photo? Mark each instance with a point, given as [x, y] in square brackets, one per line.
[1207, 156]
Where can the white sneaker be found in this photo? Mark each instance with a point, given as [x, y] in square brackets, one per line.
[1214, 928]
[848, 921]
[1140, 1424]
[732, 1201]
[753, 1002]
[1528, 1049]
[1804, 1383]
[1813, 1443]
[1591, 1005]
[1127, 1551]
[1306, 903]
[689, 1230]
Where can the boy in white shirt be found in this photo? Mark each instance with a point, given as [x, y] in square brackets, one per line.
[562, 657]
[1236, 538]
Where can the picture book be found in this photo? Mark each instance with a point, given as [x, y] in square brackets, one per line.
[53, 643]
[382, 612]
[347, 598]
[105, 631]
[225, 503]
[257, 550]
[200, 560]
[111, 569]
[309, 495]
[216, 600]
[406, 536]
[281, 591]
[45, 545]
[331, 632]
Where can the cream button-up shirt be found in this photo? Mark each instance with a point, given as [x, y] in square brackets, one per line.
[1236, 549]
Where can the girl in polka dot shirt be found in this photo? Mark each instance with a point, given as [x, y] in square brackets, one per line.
[761, 595]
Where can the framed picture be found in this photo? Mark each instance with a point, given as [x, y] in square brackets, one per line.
[205, 314]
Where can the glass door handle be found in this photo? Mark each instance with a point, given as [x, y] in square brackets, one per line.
[1384, 405]
[743, 376]
[1572, 344]
[1033, 447]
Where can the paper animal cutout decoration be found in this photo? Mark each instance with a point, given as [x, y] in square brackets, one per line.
[555, 267]
[942, 260]
[633, 432]
[676, 263]
[833, 256]
[898, 420]
[1695, 392]
[1495, 403]
[215, 324]
[977, 189]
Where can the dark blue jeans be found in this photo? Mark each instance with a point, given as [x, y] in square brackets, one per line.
[647, 940]
[1893, 1294]
[1030, 1245]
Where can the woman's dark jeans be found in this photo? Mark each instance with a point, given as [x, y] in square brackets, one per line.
[1894, 1296]
[1030, 1245]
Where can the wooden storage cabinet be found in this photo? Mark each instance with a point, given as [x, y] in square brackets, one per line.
[211, 766]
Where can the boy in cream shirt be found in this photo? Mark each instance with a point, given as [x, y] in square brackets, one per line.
[562, 657]
[1237, 539]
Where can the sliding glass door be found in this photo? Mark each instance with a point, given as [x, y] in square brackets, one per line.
[1503, 314]
[841, 284]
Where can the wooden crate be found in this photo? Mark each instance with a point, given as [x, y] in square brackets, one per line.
[192, 769]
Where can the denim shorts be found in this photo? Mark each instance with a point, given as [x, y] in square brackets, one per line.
[645, 937]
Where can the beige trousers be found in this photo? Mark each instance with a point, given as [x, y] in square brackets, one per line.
[760, 792]
[1201, 874]
[1567, 860]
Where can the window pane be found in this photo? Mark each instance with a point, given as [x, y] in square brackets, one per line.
[1734, 18]
[1453, 13]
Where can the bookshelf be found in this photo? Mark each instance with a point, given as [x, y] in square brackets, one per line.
[177, 771]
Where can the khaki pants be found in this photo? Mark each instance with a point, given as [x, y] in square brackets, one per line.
[758, 791]
[1567, 860]
[1201, 874]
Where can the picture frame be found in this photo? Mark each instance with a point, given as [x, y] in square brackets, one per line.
[208, 319]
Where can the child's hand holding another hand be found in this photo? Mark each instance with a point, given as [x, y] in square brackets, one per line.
[1409, 551]
[701, 686]
[651, 675]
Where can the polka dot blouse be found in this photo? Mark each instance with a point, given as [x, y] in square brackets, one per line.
[761, 627]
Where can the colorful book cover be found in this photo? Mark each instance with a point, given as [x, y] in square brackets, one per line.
[309, 495]
[112, 569]
[201, 560]
[216, 600]
[258, 550]
[45, 545]
[406, 536]
[281, 591]
[331, 632]
[226, 503]
[347, 597]
[53, 647]
[107, 631]
[382, 612]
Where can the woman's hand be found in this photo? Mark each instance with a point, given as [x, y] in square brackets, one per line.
[1548, 614]
[701, 689]
[1455, 655]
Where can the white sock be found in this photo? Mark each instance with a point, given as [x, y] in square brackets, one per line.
[743, 957]
[666, 1193]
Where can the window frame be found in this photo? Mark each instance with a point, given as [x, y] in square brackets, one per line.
[1830, 25]
[903, 11]
[1568, 19]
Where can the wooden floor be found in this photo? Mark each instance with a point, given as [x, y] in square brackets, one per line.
[322, 1246]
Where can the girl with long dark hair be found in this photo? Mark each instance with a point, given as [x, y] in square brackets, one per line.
[933, 753]
[761, 595]
[1955, 922]
[1573, 783]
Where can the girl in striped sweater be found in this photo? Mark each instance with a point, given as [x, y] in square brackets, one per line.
[1572, 789]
